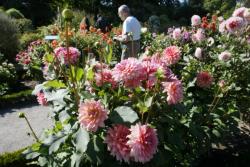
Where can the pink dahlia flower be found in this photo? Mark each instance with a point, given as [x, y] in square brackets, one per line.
[71, 58]
[143, 143]
[105, 76]
[198, 53]
[151, 68]
[224, 56]
[246, 15]
[41, 99]
[129, 71]
[177, 33]
[116, 140]
[171, 55]
[234, 24]
[204, 79]
[199, 36]
[239, 12]
[195, 20]
[174, 90]
[92, 115]
[222, 27]
[100, 66]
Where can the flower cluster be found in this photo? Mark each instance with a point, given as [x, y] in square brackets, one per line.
[235, 24]
[139, 143]
[69, 56]
[31, 54]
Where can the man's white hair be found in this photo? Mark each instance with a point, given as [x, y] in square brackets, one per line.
[124, 9]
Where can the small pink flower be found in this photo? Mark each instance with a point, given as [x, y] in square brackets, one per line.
[222, 27]
[195, 20]
[177, 33]
[105, 76]
[246, 15]
[222, 83]
[41, 99]
[234, 24]
[100, 66]
[116, 140]
[143, 143]
[151, 68]
[62, 54]
[198, 53]
[171, 55]
[174, 90]
[239, 12]
[129, 71]
[92, 115]
[220, 19]
[199, 36]
[204, 79]
[224, 56]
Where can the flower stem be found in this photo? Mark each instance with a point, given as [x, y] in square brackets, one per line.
[32, 131]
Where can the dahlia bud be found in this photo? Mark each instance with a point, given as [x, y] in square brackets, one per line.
[67, 14]
[21, 115]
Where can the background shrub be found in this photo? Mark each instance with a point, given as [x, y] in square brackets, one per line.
[9, 42]
[14, 13]
[23, 25]
[7, 75]
[29, 37]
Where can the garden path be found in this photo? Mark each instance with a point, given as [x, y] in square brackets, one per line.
[14, 131]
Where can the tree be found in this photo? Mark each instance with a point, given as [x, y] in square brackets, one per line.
[224, 7]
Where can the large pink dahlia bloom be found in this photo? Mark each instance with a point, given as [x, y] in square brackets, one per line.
[105, 76]
[171, 55]
[129, 71]
[234, 24]
[143, 142]
[174, 90]
[92, 115]
[116, 140]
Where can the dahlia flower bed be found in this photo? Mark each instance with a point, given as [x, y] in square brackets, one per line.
[165, 108]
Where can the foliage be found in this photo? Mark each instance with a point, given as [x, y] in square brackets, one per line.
[24, 25]
[224, 7]
[9, 42]
[14, 13]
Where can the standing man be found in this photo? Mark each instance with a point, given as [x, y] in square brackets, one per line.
[131, 32]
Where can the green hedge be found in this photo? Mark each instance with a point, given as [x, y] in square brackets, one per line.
[14, 159]
[14, 98]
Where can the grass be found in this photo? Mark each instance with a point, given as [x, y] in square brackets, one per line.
[13, 98]
[14, 159]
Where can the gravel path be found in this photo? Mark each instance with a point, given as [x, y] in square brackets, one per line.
[14, 131]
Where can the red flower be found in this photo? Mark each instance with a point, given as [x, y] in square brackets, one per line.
[204, 79]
